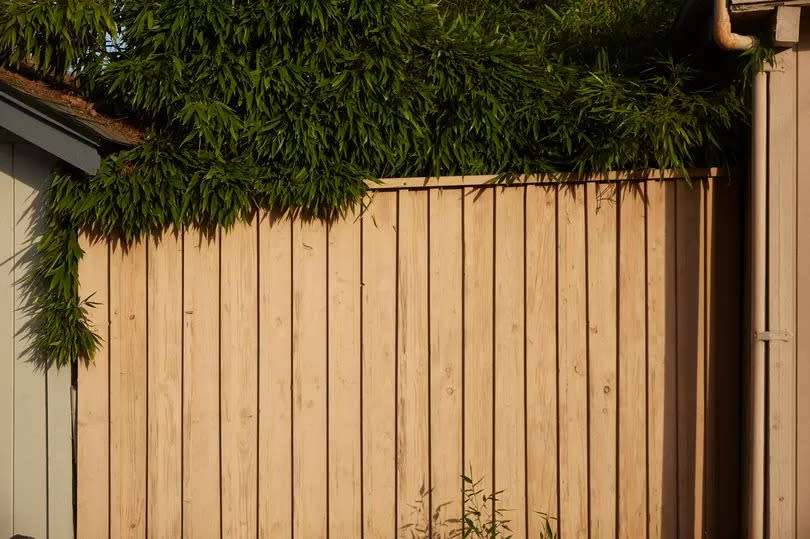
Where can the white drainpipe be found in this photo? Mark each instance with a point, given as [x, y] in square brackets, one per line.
[723, 35]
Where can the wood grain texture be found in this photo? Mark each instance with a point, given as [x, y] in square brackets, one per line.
[782, 176]
[92, 422]
[165, 379]
[479, 253]
[510, 459]
[632, 472]
[275, 377]
[446, 354]
[309, 302]
[602, 203]
[662, 366]
[345, 492]
[573, 366]
[239, 356]
[413, 382]
[128, 391]
[7, 340]
[379, 366]
[541, 355]
[201, 384]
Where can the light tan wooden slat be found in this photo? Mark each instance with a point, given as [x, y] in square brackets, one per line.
[31, 171]
[510, 461]
[662, 367]
[803, 292]
[128, 391]
[238, 363]
[379, 366]
[309, 379]
[632, 480]
[413, 451]
[479, 221]
[572, 350]
[92, 423]
[689, 312]
[541, 355]
[201, 381]
[446, 352]
[602, 356]
[782, 174]
[165, 304]
[7, 339]
[345, 493]
[275, 377]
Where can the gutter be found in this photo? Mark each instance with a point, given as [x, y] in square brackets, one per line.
[723, 36]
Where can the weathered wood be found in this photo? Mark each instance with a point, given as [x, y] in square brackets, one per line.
[128, 391]
[573, 366]
[510, 359]
[309, 300]
[446, 355]
[275, 377]
[345, 487]
[238, 364]
[93, 421]
[602, 202]
[7, 340]
[201, 385]
[541, 355]
[413, 382]
[165, 396]
[379, 366]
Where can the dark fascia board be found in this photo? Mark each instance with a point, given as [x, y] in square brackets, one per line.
[48, 133]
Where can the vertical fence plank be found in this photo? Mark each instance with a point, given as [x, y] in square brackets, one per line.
[782, 176]
[239, 383]
[413, 389]
[201, 382]
[344, 378]
[7, 340]
[602, 359]
[309, 379]
[479, 221]
[661, 338]
[92, 423]
[632, 375]
[446, 353]
[541, 355]
[275, 377]
[379, 365]
[165, 304]
[573, 368]
[128, 391]
[510, 470]
[31, 172]
[60, 454]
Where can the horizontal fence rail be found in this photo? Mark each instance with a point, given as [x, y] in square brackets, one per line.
[576, 345]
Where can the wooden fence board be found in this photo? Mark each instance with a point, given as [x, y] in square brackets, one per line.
[345, 492]
[379, 366]
[165, 412]
[572, 350]
[60, 454]
[7, 340]
[93, 427]
[201, 385]
[602, 202]
[541, 355]
[309, 300]
[239, 379]
[446, 354]
[128, 367]
[413, 382]
[510, 459]
[275, 377]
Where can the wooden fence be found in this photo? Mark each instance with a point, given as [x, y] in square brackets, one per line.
[577, 345]
[36, 468]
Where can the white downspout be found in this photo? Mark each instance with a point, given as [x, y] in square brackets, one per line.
[723, 35]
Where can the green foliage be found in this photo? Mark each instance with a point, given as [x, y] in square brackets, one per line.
[291, 105]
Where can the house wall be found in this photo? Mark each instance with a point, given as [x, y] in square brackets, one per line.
[36, 493]
[578, 345]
